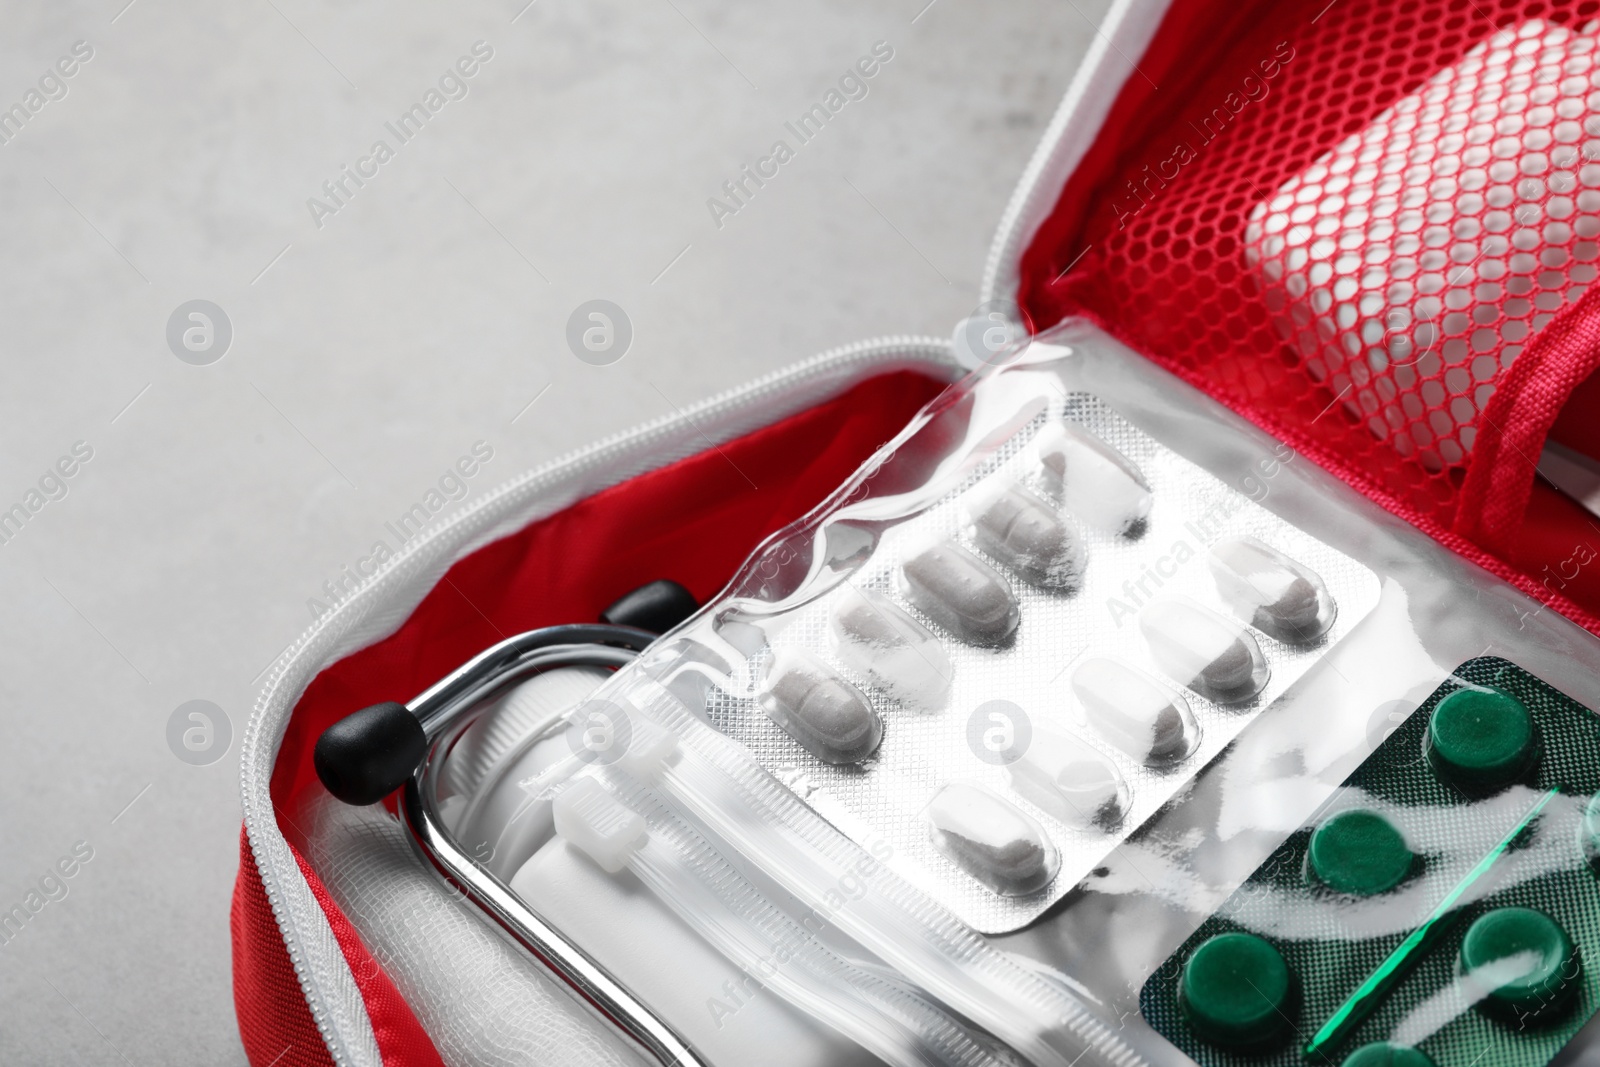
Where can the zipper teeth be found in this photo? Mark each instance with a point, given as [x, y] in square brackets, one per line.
[1022, 208]
[257, 802]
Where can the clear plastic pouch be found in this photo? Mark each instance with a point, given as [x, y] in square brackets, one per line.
[751, 794]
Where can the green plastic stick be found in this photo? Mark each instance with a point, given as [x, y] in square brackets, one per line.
[1360, 1004]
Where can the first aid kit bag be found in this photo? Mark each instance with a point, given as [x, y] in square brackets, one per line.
[1192, 660]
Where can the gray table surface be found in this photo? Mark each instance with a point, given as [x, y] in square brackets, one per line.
[370, 351]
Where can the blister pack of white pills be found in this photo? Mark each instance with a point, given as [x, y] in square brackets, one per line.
[1014, 636]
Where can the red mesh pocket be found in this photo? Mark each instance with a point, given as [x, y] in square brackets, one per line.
[1409, 265]
[1226, 237]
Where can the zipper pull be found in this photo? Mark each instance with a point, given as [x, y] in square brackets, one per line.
[989, 335]
[997, 333]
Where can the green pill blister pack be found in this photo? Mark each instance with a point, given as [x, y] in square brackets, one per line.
[1443, 907]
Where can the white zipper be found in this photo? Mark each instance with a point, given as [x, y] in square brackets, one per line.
[1126, 31]
[357, 620]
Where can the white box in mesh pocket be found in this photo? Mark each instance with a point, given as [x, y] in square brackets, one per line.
[1410, 265]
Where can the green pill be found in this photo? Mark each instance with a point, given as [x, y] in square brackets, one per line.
[1523, 962]
[1383, 1054]
[1481, 738]
[1359, 852]
[1236, 991]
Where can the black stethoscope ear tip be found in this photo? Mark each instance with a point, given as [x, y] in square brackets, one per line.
[370, 753]
[656, 607]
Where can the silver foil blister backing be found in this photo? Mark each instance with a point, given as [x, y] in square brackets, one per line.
[882, 799]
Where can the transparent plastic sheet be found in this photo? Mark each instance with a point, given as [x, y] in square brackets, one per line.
[879, 1012]
[291, 910]
[1089, 956]
[748, 814]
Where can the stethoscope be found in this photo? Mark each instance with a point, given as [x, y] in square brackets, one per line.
[369, 754]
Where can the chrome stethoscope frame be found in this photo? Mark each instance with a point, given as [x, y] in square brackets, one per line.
[442, 711]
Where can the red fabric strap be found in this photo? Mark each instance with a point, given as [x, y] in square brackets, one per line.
[1513, 428]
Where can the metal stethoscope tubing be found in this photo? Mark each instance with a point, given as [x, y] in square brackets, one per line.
[389, 736]
[591, 644]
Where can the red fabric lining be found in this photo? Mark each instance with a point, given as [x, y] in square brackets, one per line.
[1152, 249]
[1188, 44]
[1559, 544]
[1577, 426]
[694, 521]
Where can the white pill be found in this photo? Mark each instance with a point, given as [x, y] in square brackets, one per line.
[1139, 715]
[1097, 483]
[895, 652]
[1270, 591]
[1028, 537]
[1214, 656]
[991, 839]
[1070, 779]
[961, 593]
[828, 716]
